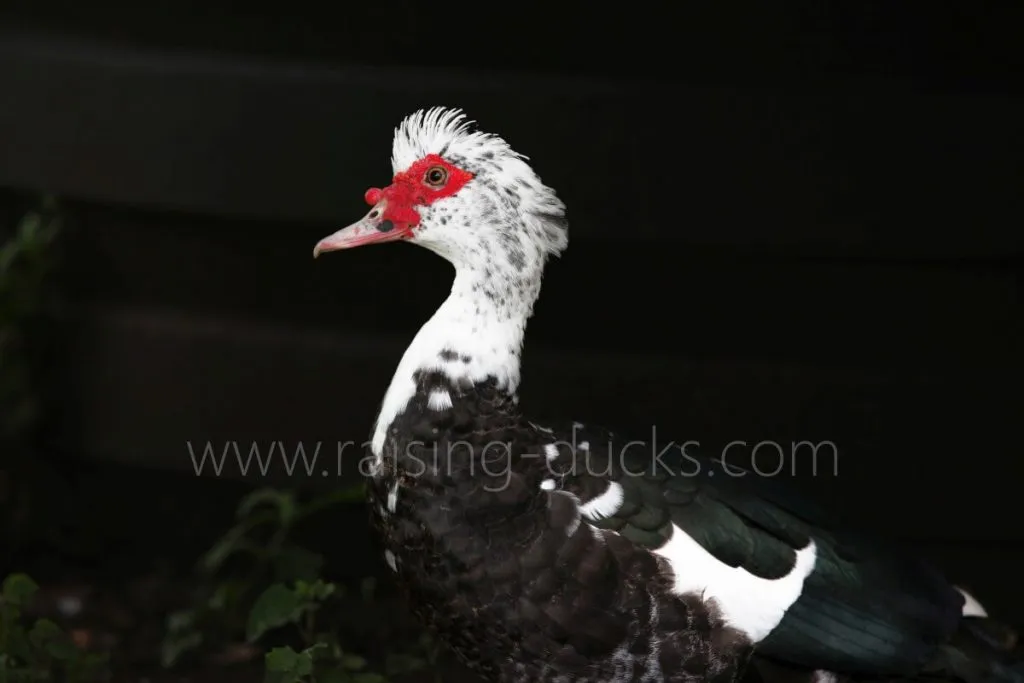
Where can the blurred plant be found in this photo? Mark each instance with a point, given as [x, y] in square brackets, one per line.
[257, 585]
[322, 660]
[257, 551]
[42, 651]
[26, 262]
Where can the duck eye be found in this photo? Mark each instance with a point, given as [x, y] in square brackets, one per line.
[436, 176]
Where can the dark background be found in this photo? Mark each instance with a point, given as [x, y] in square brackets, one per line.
[788, 223]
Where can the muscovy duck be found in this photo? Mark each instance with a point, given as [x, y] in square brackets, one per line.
[552, 552]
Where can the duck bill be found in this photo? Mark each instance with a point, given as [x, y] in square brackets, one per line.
[358, 235]
[366, 231]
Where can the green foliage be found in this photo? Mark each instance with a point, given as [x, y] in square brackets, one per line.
[26, 262]
[280, 605]
[262, 587]
[42, 651]
[259, 582]
[255, 583]
[260, 538]
[285, 665]
[323, 660]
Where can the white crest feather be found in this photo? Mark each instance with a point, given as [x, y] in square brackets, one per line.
[441, 129]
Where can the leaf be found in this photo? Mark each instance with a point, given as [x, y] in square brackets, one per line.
[16, 641]
[281, 659]
[43, 630]
[313, 649]
[333, 675]
[353, 662]
[181, 637]
[18, 589]
[174, 647]
[368, 677]
[284, 501]
[285, 665]
[62, 648]
[9, 614]
[275, 607]
[226, 595]
[330, 642]
[316, 591]
[45, 635]
[295, 563]
[90, 666]
[283, 677]
[181, 620]
[398, 664]
[228, 544]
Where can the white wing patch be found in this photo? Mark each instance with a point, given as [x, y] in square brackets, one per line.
[605, 505]
[972, 608]
[551, 451]
[574, 525]
[393, 497]
[548, 485]
[747, 602]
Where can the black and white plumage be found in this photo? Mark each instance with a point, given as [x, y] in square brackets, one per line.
[558, 553]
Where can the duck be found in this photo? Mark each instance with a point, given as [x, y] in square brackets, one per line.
[555, 553]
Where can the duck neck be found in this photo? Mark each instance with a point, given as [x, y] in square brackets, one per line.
[475, 335]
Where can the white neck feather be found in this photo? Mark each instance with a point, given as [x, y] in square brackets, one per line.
[483, 331]
[498, 232]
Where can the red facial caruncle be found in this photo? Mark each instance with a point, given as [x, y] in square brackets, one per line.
[395, 213]
[426, 181]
